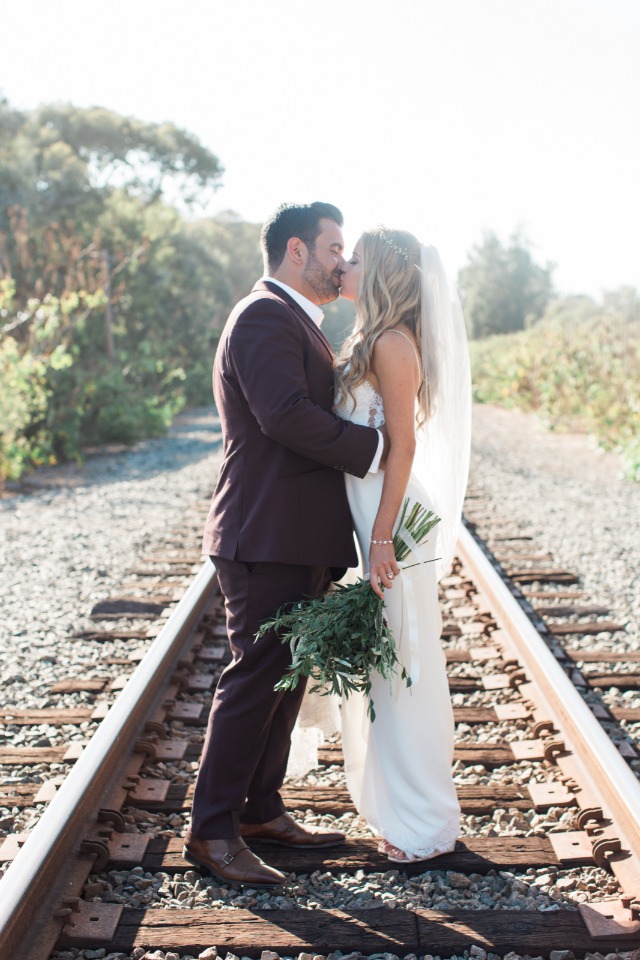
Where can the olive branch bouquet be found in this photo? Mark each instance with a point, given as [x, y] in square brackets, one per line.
[340, 638]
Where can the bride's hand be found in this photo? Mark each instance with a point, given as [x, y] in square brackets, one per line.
[383, 567]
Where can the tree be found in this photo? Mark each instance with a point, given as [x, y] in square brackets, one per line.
[623, 304]
[235, 245]
[63, 162]
[111, 296]
[501, 288]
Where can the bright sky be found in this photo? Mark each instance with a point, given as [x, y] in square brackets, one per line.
[445, 117]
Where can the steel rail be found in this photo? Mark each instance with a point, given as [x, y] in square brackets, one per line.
[35, 875]
[30, 892]
[603, 772]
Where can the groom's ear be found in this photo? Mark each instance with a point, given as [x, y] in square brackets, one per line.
[297, 251]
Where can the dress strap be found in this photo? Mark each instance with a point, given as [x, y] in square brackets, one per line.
[413, 347]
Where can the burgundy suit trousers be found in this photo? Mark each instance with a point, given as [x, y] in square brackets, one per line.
[249, 734]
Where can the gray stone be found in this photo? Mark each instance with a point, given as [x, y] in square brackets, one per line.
[210, 953]
[95, 954]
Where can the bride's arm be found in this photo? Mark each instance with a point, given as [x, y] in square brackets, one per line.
[394, 364]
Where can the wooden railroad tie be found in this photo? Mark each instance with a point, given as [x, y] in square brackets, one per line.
[379, 930]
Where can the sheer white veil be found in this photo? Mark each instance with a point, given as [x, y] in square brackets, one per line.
[444, 439]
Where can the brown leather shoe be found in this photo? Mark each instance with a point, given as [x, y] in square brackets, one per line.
[285, 831]
[231, 861]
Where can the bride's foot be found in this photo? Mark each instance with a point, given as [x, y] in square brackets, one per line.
[396, 855]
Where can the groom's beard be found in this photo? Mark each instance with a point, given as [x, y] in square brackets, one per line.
[325, 285]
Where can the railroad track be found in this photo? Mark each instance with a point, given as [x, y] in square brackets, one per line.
[525, 700]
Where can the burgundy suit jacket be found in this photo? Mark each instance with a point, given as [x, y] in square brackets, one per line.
[280, 494]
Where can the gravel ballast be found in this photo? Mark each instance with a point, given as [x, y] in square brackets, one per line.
[570, 497]
[75, 536]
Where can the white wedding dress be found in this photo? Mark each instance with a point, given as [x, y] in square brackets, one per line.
[399, 767]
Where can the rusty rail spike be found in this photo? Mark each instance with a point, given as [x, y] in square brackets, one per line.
[105, 815]
[157, 727]
[68, 906]
[98, 848]
[603, 848]
[589, 815]
[516, 677]
[553, 749]
[543, 728]
[146, 747]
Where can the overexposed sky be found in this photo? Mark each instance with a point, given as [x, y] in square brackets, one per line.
[445, 117]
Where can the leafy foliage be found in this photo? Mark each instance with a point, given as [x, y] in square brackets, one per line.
[501, 288]
[111, 295]
[339, 639]
[579, 367]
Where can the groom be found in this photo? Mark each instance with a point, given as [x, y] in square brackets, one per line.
[279, 522]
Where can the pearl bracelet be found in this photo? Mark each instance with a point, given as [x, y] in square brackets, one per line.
[380, 541]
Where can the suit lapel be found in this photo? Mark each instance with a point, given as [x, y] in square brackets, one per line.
[306, 319]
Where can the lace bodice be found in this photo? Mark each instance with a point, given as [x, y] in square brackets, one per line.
[368, 410]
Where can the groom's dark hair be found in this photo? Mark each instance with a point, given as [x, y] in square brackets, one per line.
[294, 220]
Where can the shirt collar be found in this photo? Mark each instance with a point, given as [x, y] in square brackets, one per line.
[311, 309]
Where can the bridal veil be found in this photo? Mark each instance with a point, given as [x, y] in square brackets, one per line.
[444, 438]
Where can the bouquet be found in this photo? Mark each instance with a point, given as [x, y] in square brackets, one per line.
[340, 638]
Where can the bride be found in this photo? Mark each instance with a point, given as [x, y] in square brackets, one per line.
[406, 367]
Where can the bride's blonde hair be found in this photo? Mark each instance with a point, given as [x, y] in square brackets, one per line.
[390, 293]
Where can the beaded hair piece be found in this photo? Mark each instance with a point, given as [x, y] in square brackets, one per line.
[394, 246]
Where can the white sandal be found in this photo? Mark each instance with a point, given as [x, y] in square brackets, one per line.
[396, 855]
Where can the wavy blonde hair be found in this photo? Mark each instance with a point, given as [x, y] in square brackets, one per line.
[390, 293]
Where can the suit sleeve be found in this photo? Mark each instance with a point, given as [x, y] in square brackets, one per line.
[267, 354]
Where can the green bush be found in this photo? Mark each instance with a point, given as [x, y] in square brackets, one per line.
[579, 367]
[23, 399]
[112, 294]
[120, 407]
